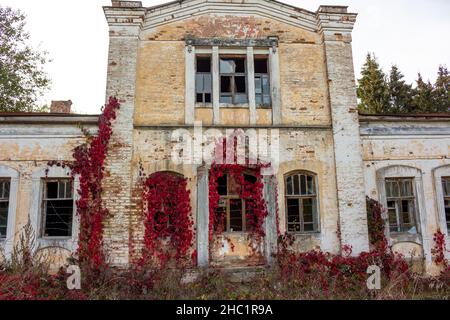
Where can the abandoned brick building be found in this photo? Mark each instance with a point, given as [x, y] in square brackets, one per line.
[247, 64]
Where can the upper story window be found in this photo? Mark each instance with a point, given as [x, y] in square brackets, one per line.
[401, 204]
[57, 208]
[203, 80]
[262, 81]
[301, 203]
[446, 192]
[233, 80]
[4, 206]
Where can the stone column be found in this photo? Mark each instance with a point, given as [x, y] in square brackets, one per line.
[125, 20]
[190, 94]
[216, 84]
[251, 85]
[335, 26]
[202, 217]
[274, 67]
[270, 225]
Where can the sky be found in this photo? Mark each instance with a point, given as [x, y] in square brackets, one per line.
[413, 34]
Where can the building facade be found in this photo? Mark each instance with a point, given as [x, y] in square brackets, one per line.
[260, 66]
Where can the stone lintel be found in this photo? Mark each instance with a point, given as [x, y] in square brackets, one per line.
[259, 42]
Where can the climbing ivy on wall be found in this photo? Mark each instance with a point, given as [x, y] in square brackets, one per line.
[376, 225]
[89, 165]
[249, 191]
[167, 219]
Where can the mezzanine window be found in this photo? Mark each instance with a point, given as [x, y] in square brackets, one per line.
[262, 81]
[203, 80]
[233, 80]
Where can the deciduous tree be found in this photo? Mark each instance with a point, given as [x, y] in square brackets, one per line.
[22, 78]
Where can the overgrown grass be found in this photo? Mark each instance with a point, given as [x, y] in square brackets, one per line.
[312, 275]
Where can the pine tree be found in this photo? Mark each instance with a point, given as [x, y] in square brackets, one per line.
[373, 90]
[442, 90]
[400, 93]
[424, 101]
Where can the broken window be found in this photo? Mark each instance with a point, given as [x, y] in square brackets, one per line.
[57, 208]
[233, 80]
[401, 204]
[203, 80]
[231, 210]
[5, 186]
[446, 191]
[262, 82]
[301, 203]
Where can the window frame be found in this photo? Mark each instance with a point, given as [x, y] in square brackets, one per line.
[233, 82]
[38, 176]
[13, 175]
[44, 203]
[404, 171]
[227, 198]
[260, 76]
[3, 199]
[398, 200]
[301, 197]
[446, 197]
[203, 102]
[438, 174]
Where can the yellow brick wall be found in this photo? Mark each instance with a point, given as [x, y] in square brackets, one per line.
[160, 82]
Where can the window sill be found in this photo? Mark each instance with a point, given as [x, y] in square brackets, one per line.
[234, 233]
[234, 106]
[55, 238]
[62, 242]
[203, 105]
[298, 233]
[397, 237]
[230, 106]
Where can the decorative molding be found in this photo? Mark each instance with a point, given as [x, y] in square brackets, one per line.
[8, 243]
[438, 173]
[181, 10]
[35, 214]
[227, 43]
[399, 171]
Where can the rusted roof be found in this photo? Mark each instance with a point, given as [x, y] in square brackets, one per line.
[47, 118]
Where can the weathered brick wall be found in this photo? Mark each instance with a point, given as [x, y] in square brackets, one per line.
[310, 150]
[122, 60]
[344, 115]
[27, 148]
[161, 68]
[410, 144]
[317, 90]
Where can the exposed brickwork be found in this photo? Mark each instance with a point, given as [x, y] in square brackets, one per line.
[319, 129]
[60, 106]
[347, 143]
[123, 50]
